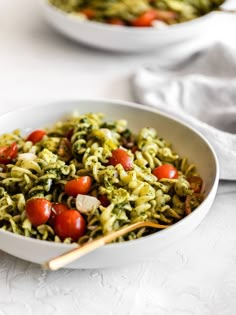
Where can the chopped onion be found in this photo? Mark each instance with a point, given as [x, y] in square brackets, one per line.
[85, 203]
[27, 156]
[159, 24]
[107, 132]
[78, 16]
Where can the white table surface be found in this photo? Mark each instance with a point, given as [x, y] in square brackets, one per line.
[196, 276]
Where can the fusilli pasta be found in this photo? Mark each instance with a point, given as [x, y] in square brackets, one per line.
[83, 145]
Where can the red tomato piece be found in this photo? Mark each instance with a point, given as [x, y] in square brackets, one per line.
[57, 208]
[120, 156]
[145, 19]
[165, 171]
[104, 200]
[8, 153]
[90, 13]
[38, 210]
[71, 224]
[36, 136]
[79, 185]
[196, 183]
[116, 21]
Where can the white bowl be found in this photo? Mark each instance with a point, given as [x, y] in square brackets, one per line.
[186, 141]
[128, 39]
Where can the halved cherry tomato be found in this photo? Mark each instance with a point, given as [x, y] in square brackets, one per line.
[71, 224]
[196, 183]
[165, 171]
[90, 13]
[145, 19]
[116, 21]
[38, 210]
[8, 153]
[79, 185]
[57, 208]
[120, 156]
[36, 136]
[104, 200]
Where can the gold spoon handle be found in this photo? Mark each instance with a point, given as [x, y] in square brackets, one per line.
[72, 255]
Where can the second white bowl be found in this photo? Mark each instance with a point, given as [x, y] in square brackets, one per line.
[182, 37]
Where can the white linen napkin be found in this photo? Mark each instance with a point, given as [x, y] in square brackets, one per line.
[201, 91]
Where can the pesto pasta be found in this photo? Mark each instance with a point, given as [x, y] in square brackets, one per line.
[95, 172]
[138, 12]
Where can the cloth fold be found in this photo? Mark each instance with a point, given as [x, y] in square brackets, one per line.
[201, 91]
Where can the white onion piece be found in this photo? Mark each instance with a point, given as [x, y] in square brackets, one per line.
[107, 132]
[159, 24]
[86, 203]
[78, 16]
[26, 156]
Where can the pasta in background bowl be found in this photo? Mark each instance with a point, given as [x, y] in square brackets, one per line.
[187, 142]
[134, 39]
[138, 13]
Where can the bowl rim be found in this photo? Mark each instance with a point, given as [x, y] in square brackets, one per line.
[118, 28]
[133, 105]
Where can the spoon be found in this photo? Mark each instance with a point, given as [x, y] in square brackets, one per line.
[64, 259]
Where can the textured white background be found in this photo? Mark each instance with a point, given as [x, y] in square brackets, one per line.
[194, 277]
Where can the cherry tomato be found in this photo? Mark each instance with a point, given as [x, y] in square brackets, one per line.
[71, 224]
[79, 185]
[38, 210]
[120, 156]
[165, 171]
[36, 136]
[196, 183]
[57, 208]
[90, 13]
[8, 153]
[116, 21]
[104, 200]
[145, 19]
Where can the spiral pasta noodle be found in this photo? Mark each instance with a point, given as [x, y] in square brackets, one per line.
[82, 145]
